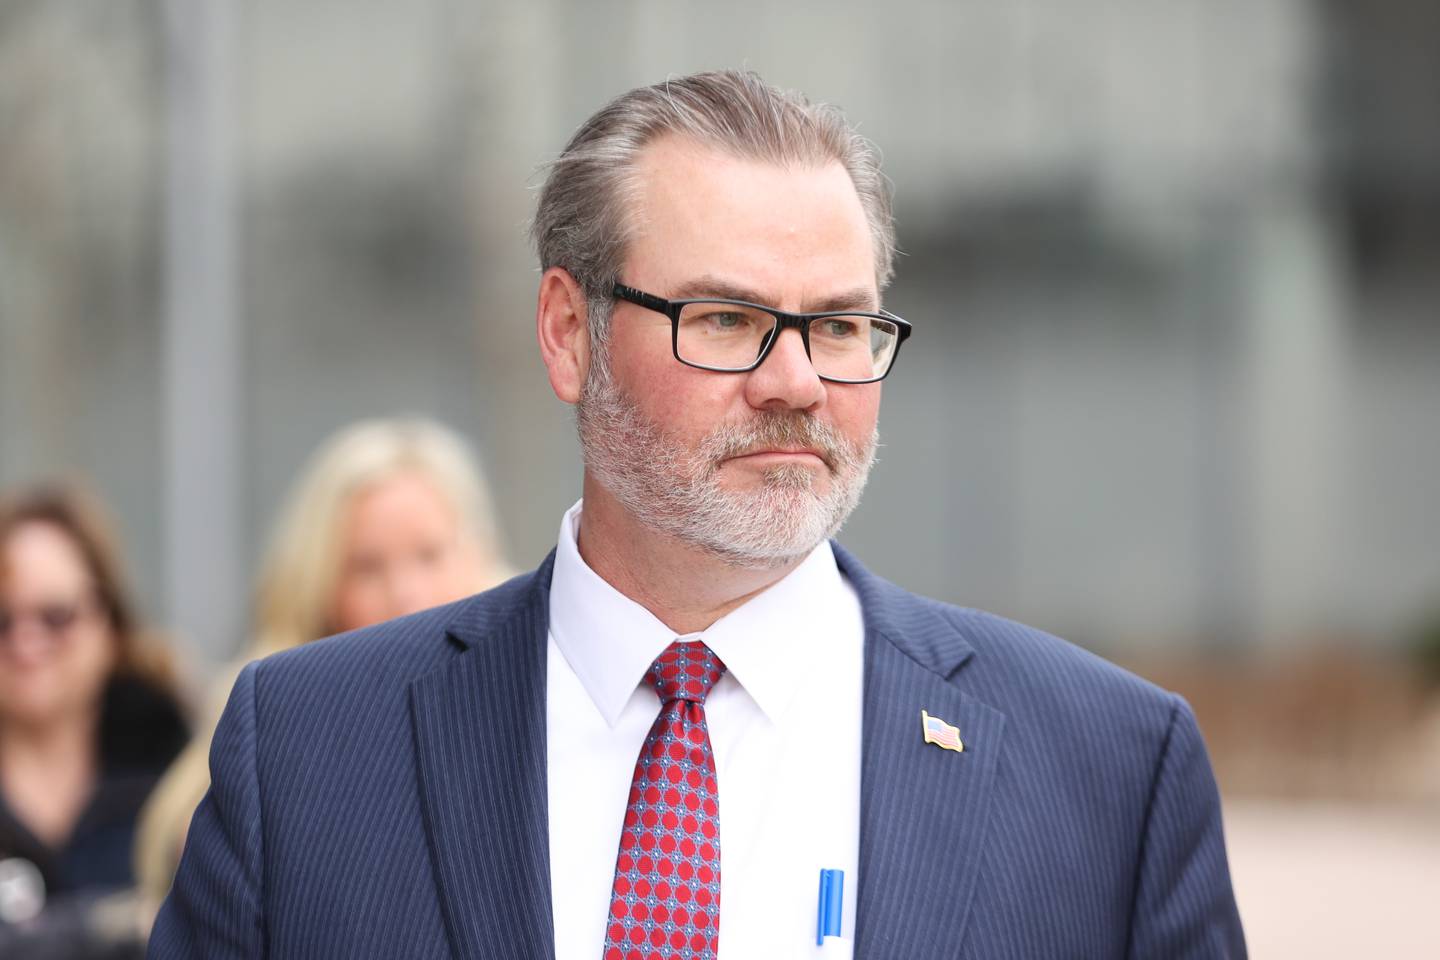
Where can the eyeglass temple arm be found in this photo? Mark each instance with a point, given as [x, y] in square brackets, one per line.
[902, 326]
[642, 298]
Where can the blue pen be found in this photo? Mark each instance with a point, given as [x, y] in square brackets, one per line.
[832, 903]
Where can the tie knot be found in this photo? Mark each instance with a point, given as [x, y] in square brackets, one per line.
[685, 671]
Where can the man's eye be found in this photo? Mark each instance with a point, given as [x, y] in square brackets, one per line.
[725, 320]
[839, 327]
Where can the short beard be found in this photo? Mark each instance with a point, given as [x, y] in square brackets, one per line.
[675, 489]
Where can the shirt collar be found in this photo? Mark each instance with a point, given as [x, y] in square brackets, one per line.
[610, 640]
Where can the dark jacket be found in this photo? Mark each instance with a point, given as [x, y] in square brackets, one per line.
[384, 795]
[142, 729]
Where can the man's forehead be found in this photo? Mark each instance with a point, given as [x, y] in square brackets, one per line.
[723, 222]
[820, 301]
[669, 153]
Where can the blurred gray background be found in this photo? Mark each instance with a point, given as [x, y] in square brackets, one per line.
[1173, 267]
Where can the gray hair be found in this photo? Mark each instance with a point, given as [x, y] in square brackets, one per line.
[581, 221]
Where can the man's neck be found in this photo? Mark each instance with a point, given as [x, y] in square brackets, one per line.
[684, 587]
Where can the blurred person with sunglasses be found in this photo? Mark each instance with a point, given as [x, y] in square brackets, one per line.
[89, 719]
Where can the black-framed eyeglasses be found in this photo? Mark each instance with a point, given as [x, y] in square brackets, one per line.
[734, 336]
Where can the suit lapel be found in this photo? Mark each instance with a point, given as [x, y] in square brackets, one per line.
[479, 726]
[923, 809]
[480, 745]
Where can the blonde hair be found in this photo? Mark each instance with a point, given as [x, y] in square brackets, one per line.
[298, 579]
[302, 564]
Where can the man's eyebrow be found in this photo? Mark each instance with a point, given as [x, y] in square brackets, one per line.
[860, 298]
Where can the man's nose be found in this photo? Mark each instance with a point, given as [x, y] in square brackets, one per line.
[786, 379]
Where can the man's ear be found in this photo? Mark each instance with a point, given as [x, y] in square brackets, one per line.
[561, 323]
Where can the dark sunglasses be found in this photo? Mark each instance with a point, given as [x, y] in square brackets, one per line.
[52, 618]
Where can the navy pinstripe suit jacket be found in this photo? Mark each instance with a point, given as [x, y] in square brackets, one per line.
[383, 794]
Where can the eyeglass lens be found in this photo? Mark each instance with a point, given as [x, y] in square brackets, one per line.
[728, 336]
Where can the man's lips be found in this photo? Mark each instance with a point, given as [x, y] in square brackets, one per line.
[780, 454]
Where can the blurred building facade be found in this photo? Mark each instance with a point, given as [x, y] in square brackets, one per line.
[1174, 274]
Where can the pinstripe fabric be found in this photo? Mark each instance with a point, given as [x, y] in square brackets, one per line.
[379, 794]
[921, 805]
[480, 740]
[1082, 821]
[383, 794]
[218, 914]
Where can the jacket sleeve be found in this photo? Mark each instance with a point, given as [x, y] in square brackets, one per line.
[1184, 904]
[214, 910]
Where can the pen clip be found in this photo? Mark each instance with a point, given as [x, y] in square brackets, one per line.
[831, 906]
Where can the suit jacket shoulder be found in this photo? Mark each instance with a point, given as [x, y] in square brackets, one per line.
[365, 794]
[346, 670]
[1081, 819]
[1041, 680]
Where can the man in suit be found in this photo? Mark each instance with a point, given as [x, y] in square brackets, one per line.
[654, 744]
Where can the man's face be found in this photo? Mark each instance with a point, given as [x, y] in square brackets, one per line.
[757, 467]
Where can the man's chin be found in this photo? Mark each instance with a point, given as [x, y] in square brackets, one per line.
[740, 478]
[782, 526]
[758, 557]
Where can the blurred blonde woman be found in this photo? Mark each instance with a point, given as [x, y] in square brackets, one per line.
[388, 517]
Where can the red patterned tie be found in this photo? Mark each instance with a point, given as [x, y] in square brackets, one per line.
[665, 904]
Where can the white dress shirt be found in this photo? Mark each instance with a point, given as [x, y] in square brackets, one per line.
[784, 722]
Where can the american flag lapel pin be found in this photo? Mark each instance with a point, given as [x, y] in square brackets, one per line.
[940, 733]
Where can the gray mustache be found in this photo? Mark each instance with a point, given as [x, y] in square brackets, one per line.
[770, 429]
